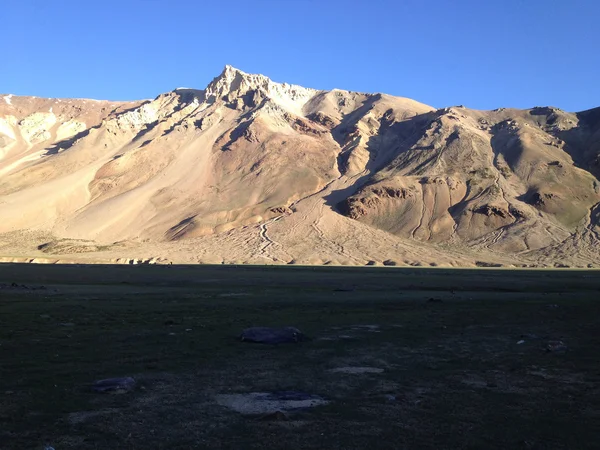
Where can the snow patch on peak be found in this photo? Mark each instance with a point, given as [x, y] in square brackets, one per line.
[7, 99]
[35, 127]
[139, 117]
[234, 83]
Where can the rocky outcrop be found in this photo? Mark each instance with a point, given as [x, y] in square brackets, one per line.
[358, 206]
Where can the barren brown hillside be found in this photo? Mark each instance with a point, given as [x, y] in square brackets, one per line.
[253, 171]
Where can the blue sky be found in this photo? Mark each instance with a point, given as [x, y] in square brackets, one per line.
[514, 53]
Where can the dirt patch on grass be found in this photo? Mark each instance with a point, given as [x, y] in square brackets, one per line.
[267, 402]
[80, 417]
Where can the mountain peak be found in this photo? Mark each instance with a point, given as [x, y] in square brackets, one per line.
[230, 69]
[230, 73]
[233, 82]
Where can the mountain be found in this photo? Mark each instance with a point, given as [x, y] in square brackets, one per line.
[253, 171]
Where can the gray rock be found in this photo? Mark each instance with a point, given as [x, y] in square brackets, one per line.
[114, 385]
[266, 335]
[556, 347]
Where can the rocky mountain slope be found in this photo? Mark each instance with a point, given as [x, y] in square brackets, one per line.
[249, 170]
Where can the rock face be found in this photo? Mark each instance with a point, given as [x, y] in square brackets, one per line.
[246, 151]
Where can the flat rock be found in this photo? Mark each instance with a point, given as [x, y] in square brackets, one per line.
[266, 335]
[269, 402]
[357, 370]
[114, 385]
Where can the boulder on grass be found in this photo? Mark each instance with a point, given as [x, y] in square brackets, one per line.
[267, 335]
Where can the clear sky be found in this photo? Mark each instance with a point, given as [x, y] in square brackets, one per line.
[478, 53]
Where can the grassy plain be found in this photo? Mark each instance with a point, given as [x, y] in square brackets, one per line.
[454, 375]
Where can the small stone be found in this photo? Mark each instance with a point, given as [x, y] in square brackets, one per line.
[390, 397]
[520, 342]
[114, 385]
[67, 324]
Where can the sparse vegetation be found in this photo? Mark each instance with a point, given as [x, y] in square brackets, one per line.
[495, 190]
[464, 353]
[505, 170]
[484, 173]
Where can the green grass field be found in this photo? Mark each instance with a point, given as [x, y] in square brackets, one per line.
[458, 378]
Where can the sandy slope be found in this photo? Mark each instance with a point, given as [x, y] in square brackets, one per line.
[252, 171]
